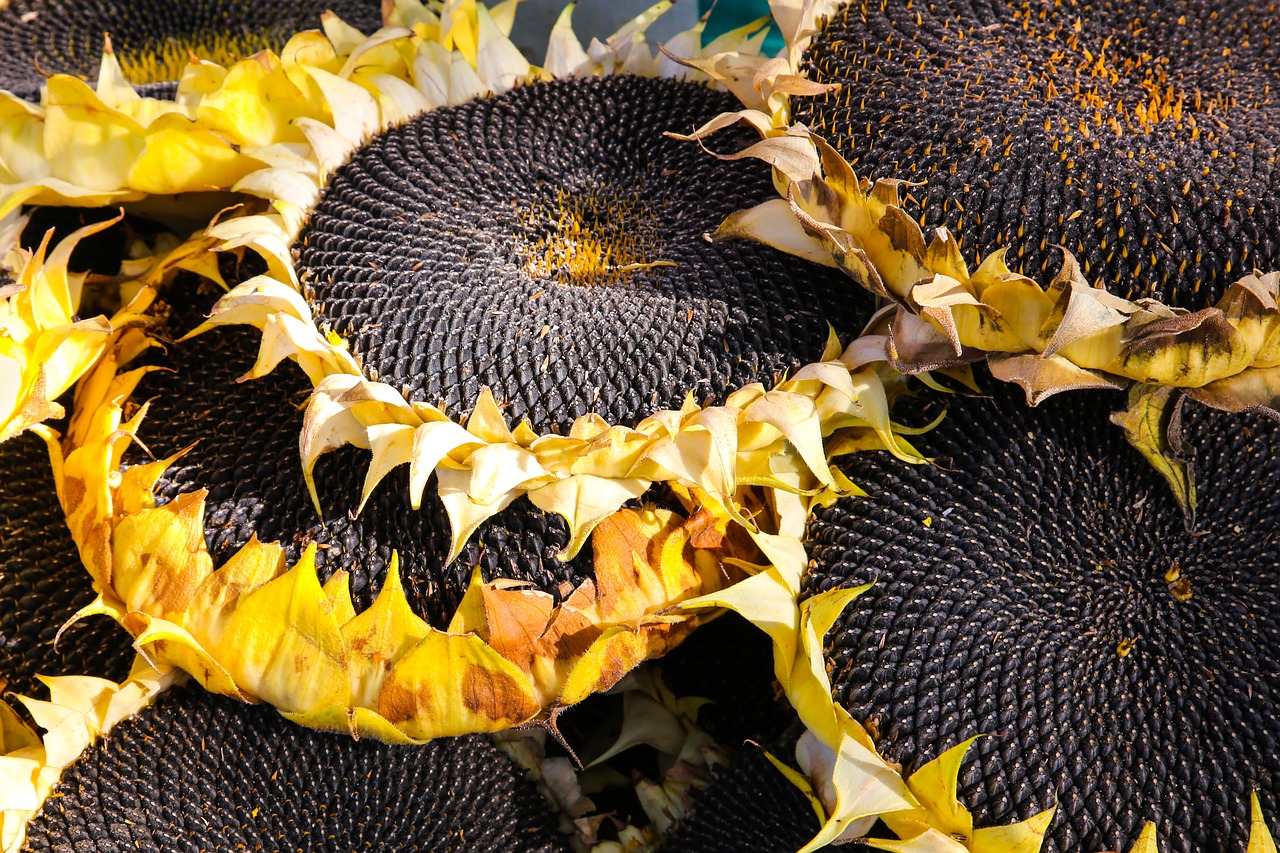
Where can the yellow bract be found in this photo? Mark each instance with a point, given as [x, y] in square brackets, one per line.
[44, 347]
[79, 710]
[256, 628]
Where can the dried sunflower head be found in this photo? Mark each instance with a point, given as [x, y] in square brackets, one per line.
[249, 778]
[1038, 131]
[1040, 587]
[435, 564]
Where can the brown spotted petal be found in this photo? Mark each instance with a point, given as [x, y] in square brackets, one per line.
[1186, 351]
[849, 258]
[963, 318]
[1081, 313]
[1263, 288]
[1250, 306]
[257, 628]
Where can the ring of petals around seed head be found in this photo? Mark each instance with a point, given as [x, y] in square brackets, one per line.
[89, 145]
[548, 244]
[179, 573]
[350, 407]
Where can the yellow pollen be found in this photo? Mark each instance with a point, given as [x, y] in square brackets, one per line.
[592, 240]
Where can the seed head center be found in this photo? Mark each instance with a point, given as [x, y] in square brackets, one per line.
[592, 239]
[163, 61]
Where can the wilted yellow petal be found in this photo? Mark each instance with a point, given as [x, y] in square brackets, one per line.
[451, 685]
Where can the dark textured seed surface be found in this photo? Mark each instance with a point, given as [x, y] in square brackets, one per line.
[484, 245]
[245, 437]
[200, 772]
[1008, 580]
[750, 806]
[42, 582]
[65, 36]
[1140, 135]
[730, 662]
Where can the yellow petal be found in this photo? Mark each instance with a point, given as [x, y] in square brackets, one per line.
[1024, 837]
[451, 685]
[1148, 840]
[283, 644]
[381, 635]
[1260, 839]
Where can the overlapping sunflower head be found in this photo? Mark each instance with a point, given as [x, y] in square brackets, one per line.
[1074, 195]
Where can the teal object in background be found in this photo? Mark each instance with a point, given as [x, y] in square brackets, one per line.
[729, 14]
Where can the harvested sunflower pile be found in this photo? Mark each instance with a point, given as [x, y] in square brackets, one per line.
[413, 446]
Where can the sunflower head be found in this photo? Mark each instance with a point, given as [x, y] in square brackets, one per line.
[1090, 139]
[1124, 133]
[508, 405]
[1041, 586]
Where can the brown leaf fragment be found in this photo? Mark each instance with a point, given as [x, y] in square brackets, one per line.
[916, 345]
[1041, 377]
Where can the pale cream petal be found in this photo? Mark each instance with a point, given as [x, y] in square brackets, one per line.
[499, 64]
[565, 55]
[773, 224]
